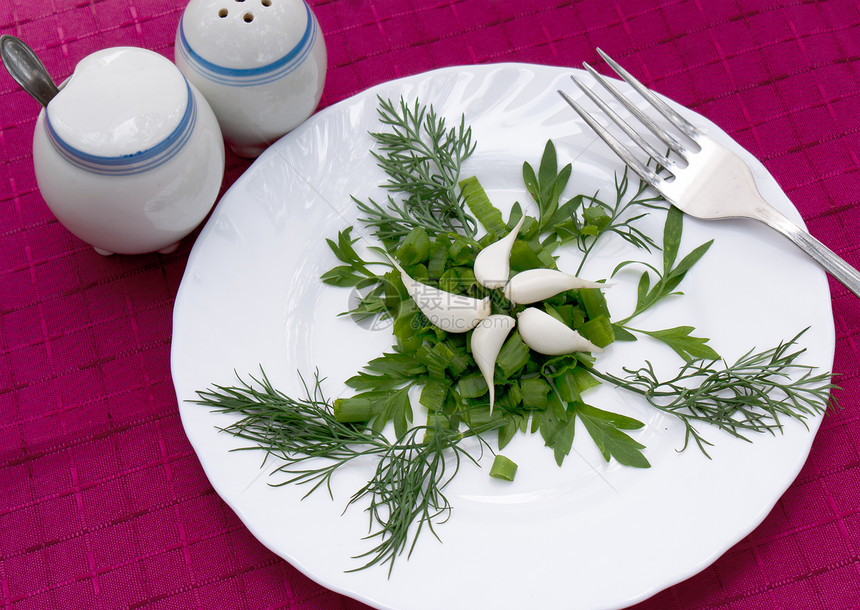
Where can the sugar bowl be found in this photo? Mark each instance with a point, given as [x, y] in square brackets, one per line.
[260, 63]
[128, 155]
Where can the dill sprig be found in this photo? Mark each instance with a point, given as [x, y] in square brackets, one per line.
[407, 488]
[615, 217]
[754, 394]
[405, 493]
[422, 158]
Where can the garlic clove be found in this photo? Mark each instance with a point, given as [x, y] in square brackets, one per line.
[544, 334]
[487, 340]
[538, 284]
[493, 263]
[453, 313]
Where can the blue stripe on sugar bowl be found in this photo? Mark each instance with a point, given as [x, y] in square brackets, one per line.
[248, 77]
[133, 163]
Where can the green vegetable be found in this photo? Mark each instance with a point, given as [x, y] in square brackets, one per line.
[406, 488]
[478, 202]
[752, 395]
[606, 428]
[598, 330]
[535, 392]
[422, 158]
[415, 247]
[503, 468]
[594, 302]
[430, 224]
[472, 386]
[514, 356]
[584, 219]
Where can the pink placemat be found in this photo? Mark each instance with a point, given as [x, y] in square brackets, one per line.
[102, 501]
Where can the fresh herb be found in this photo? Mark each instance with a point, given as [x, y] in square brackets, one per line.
[755, 394]
[422, 158]
[355, 271]
[583, 219]
[606, 430]
[671, 276]
[407, 486]
[667, 281]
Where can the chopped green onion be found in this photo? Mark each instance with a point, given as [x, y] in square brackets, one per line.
[594, 302]
[419, 271]
[433, 394]
[503, 468]
[444, 353]
[415, 247]
[545, 257]
[409, 343]
[460, 251]
[436, 359]
[354, 409]
[514, 394]
[438, 256]
[436, 422]
[535, 392]
[478, 416]
[468, 283]
[477, 200]
[472, 386]
[513, 356]
[555, 313]
[598, 330]
[458, 364]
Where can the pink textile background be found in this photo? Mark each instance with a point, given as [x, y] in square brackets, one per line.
[102, 501]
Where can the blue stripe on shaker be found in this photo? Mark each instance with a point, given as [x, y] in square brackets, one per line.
[134, 163]
[247, 77]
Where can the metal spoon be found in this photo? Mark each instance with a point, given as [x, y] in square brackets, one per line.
[27, 69]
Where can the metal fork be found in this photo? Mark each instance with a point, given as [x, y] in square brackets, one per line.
[709, 183]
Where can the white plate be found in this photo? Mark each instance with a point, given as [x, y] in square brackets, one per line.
[587, 535]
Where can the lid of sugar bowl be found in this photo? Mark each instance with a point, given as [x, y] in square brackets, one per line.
[119, 102]
[225, 36]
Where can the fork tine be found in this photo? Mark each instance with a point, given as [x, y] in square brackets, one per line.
[673, 143]
[662, 107]
[646, 173]
[631, 133]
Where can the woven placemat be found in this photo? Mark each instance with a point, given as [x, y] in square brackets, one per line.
[102, 501]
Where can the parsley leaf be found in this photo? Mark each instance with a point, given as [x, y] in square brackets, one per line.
[605, 428]
[687, 347]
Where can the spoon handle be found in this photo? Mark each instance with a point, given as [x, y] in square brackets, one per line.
[27, 69]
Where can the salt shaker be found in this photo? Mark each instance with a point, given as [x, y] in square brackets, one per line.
[128, 155]
[260, 63]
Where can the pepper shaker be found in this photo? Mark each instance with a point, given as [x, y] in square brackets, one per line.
[261, 64]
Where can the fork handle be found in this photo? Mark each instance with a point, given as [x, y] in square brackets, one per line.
[821, 254]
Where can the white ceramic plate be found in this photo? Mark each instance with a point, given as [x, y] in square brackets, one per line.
[587, 535]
